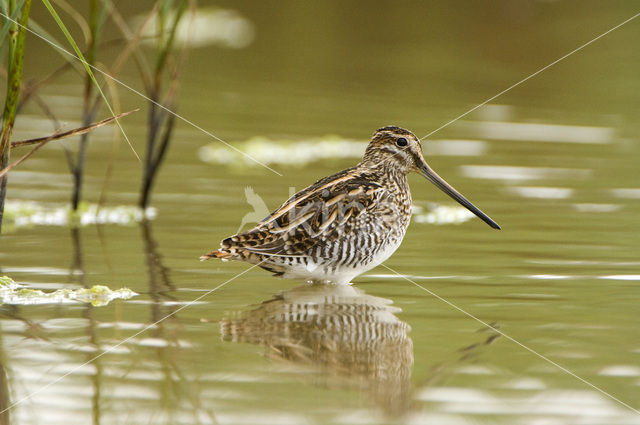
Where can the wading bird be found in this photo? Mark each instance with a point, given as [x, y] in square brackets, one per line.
[344, 224]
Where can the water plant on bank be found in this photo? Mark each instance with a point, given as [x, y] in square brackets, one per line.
[15, 34]
[41, 141]
[77, 165]
[160, 80]
[14, 293]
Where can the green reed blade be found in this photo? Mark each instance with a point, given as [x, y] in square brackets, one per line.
[87, 68]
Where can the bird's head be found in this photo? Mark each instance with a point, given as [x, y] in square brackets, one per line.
[400, 150]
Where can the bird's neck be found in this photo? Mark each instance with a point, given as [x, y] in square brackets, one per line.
[389, 176]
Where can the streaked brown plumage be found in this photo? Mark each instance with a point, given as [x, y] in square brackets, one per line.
[344, 224]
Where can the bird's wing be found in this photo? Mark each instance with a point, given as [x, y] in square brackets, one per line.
[315, 215]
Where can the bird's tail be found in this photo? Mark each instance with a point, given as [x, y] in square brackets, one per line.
[216, 254]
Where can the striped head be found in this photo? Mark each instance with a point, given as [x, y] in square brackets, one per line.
[397, 149]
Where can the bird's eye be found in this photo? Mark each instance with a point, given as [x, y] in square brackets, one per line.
[401, 142]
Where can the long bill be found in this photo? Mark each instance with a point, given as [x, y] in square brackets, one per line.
[434, 178]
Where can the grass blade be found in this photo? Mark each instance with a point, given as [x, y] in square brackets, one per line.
[14, 16]
[87, 68]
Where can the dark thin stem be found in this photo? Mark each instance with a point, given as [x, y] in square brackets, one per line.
[158, 118]
[164, 142]
[156, 161]
[78, 170]
[88, 113]
[154, 126]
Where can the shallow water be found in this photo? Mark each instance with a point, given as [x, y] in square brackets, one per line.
[554, 162]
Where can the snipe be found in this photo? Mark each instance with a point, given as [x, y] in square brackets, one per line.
[344, 224]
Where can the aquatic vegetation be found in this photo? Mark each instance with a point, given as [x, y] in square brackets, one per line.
[96, 19]
[205, 26]
[161, 86]
[538, 192]
[160, 81]
[441, 214]
[15, 33]
[538, 132]
[269, 151]
[29, 213]
[14, 293]
[300, 153]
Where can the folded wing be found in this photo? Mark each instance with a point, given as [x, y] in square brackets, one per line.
[316, 215]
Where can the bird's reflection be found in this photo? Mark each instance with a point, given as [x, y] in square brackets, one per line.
[343, 331]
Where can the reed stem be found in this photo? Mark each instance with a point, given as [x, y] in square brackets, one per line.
[160, 123]
[16, 39]
[88, 113]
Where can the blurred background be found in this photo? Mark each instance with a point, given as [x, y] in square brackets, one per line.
[300, 87]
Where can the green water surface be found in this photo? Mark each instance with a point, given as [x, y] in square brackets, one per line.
[555, 161]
